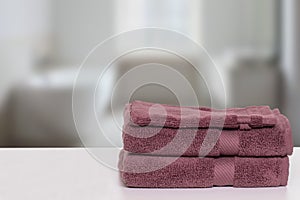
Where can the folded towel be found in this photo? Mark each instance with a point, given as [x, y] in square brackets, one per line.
[145, 113]
[187, 172]
[171, 130]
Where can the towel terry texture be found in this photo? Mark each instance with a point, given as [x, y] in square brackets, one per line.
[267, 132]
[184, 147]
[188, 172]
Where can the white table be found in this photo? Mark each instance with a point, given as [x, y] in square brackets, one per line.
[72, 173]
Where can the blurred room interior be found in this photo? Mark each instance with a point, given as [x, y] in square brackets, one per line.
[255, 44]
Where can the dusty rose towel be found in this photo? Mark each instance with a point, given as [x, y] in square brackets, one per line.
[170, 130]
[188, 172]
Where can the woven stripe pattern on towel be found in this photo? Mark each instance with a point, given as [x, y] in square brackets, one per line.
[244, 147]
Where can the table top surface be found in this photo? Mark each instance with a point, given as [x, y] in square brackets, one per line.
[72, 173]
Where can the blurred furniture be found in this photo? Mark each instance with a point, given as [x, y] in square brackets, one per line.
[41, 111]
[156, 92]
[250, 78]
[290, 43]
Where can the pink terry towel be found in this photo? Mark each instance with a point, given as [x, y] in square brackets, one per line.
[189, 172]
[160, 129]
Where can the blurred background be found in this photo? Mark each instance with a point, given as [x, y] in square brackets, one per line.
[256, 44]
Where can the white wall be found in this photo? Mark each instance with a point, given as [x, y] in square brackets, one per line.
[179, 15]
[238, 24]
[79, 26]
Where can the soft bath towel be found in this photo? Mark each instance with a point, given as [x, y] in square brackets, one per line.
[144, 171]
[171, 130]
[144, 113]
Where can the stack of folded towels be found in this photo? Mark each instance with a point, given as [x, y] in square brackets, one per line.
[175, 147]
